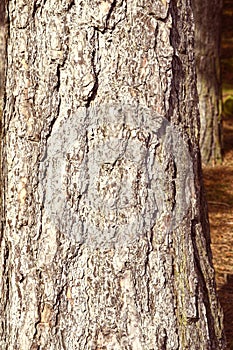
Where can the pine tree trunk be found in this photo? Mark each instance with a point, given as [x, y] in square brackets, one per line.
[106, 239]
[2, 52]
[207, 16]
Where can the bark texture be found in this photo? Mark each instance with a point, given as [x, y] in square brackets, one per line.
[61, 286]
[2, 52]
[207, 16]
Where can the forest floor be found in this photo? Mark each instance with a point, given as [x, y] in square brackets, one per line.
[219, 184]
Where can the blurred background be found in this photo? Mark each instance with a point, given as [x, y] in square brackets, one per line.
[219, 180]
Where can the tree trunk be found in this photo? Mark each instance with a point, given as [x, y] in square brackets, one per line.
[2, 52]
[106, 239]
[207, 15]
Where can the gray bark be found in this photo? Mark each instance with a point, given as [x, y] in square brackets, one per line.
[207, 16]
[105, 242]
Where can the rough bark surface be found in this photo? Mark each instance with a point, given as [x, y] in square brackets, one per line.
[61, 288]
[2, 52]
[207, 16]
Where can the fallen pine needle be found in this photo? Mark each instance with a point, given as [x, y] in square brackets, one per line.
[219, 203]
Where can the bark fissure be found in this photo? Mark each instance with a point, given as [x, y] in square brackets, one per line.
[111, 10]
[94, 90]
[71, 4]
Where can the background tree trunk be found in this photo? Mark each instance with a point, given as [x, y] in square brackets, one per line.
[106, 239]
[207, 16]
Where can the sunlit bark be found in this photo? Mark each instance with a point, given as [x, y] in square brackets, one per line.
[2, 51]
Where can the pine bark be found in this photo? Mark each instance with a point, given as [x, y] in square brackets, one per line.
[2, 52]
[207, 16]
[100, 87]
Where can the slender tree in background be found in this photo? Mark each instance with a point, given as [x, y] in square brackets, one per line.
[105, 241]
[207, 15]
